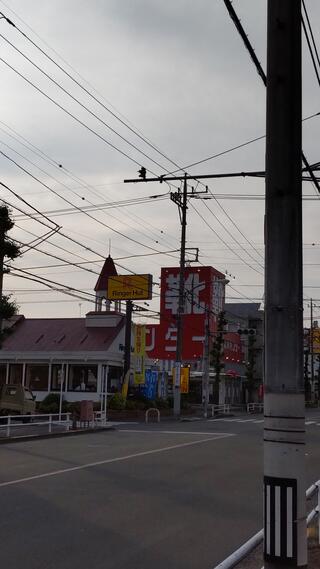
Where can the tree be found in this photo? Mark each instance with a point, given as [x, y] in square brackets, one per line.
[217, 352]
[8, 252]
[250, 373]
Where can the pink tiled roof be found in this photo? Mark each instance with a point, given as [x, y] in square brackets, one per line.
[59, 334]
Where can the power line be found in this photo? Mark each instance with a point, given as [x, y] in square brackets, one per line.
[224, 242]
[43, 156]
[82, 104]
[77, 207]
[134, 131]
[314, 53]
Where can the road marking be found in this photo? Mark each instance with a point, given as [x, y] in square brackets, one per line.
[107, 461]
[112, 423]
[310, 423]
[215, 436]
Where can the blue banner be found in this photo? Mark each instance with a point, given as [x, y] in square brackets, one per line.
[149, 389]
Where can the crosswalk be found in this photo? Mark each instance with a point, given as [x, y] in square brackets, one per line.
[254, 421]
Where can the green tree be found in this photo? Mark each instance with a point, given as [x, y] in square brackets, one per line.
[8, 252]
[250, 373]
[217, 353]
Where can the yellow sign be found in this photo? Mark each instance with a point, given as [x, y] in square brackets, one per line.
[316, 340]
[184, 381]
[130, 287]
[139, 354]
[184, 378]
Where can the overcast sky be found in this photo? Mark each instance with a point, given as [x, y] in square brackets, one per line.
[177, 73]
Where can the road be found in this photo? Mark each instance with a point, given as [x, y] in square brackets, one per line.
[174, 495]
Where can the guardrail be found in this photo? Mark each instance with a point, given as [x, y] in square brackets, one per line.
[220, 409]
[257, 539]
[254, 407]
[9, 422]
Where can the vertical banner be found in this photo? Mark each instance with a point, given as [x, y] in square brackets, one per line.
[184, 379]
[139, 354]
[181, 378]
[150, 386]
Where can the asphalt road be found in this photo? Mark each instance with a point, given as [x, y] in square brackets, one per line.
[168, 496]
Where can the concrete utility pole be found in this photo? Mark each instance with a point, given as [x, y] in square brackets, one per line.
[285, 536]
[127, 343]
[206, 366]
[181, 201]
[311, 351]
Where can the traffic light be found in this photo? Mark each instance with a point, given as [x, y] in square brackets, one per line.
[247, 331]
[142, 172]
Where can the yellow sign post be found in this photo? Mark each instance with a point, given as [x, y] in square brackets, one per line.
[130, 287]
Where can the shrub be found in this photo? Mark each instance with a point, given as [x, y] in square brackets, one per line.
[117, 402]
[51, 403]
[162, 403]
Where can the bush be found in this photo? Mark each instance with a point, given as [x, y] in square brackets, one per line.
[117, 402]
[162, 403]
[51, 404]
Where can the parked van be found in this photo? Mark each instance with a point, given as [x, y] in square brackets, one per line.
[16, 400]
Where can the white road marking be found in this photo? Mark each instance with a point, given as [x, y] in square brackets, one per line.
[107, 461]
[111, 423]
[214, 435]
[310, 423]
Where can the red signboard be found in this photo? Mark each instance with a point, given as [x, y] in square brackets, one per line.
[204, 297]
[232, 348]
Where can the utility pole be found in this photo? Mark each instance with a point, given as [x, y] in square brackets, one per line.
[311, 350]
[206, 367]
[285, 535]
[127, 342]
[181, 201]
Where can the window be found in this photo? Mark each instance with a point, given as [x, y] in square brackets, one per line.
[37, 377]
[15, 374]
[82, 378]
[3, 373]
[114, 378]
[57, 376]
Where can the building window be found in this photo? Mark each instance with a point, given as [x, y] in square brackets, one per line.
[15, 374]
[82, 378]
[3, 373]
[57, 376]
[37, 377]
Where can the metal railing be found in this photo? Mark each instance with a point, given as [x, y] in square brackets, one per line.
[254, 407]
[8, 423]
[220, 409]
[257, 539]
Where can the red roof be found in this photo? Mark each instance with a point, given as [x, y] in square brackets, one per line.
[108, 270]
[59, 334]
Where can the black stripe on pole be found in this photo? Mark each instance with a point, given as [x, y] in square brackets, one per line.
[280, 543]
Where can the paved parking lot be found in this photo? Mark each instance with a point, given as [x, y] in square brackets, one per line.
[174, 495]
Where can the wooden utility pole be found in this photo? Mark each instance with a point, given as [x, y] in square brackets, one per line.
[285, 536]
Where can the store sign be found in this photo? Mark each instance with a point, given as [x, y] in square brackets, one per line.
[130, 287]
[204, 294]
